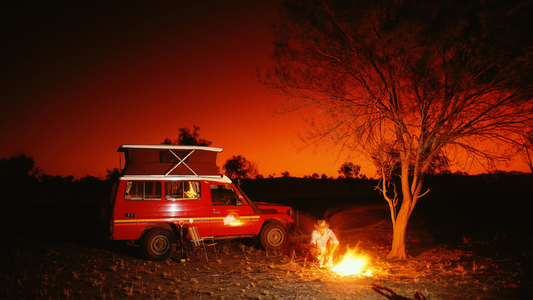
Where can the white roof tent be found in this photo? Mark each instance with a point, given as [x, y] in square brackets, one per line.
[167, 160]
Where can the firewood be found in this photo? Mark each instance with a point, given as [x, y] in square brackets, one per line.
[391, 295]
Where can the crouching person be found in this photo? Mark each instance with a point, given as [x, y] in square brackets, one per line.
[324, 242]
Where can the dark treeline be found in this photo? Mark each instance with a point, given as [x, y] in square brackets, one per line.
[457, 206]
[56, 190]
[497, 204]
[56, 210]
[90, 189]
[43, 206]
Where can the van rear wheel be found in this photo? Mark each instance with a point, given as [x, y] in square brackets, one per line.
[274, 236]
[158, 244]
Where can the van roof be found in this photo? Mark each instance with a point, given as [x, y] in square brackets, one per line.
[164, 146]
[214, 178]
[169, 160]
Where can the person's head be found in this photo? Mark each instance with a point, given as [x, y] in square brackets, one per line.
[321, 225]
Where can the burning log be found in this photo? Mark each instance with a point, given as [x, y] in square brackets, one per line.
[391, 295]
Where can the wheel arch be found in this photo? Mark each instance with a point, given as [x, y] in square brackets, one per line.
[282, 221]
[277, 220]
[168, 226]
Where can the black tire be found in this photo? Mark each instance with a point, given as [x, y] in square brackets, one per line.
[274, 236]
[158, 244]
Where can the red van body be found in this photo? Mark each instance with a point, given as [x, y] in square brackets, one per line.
[165, 185]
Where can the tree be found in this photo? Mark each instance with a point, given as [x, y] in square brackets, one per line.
[186, 137]
[240, 167]
[113, 174]
[18, 175]
[56, 179]
[89, 178]
[349, 170]
[253, 169]
[419, 78]
[19, 167]
[285, 174]
[312, 176]
[237, 167]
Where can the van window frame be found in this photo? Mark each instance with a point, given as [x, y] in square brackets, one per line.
[156, 196]
[190, 184]
[219, 190]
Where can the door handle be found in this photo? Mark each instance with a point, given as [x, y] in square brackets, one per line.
[216, 212]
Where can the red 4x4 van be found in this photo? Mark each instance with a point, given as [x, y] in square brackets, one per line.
[162, 185]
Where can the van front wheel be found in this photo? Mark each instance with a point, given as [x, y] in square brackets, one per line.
[158, 244]
[274, 236]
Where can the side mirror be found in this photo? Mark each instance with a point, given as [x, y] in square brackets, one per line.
[239, 201]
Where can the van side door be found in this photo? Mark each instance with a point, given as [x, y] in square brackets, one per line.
[229, 215]
[185, 201]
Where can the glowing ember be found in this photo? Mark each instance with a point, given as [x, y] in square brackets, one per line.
[353, 263]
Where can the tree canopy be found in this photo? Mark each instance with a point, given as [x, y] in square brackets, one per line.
[19, 167]
[188, 137]
[349, 170]
[237, 167]
[422, 79]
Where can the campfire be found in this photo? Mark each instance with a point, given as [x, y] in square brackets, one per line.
[353, 263]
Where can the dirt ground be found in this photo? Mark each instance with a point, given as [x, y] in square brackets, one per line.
[33, 269]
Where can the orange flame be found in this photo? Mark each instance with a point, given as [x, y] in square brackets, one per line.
[353, 263]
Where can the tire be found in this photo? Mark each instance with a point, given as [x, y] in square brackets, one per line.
[274, 236]
[158, 244]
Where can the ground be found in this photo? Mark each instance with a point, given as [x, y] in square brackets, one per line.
[467, 241]
[34, 268]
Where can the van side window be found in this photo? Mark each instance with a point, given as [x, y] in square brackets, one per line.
[223, 195]
[143, 190]
[182, 190]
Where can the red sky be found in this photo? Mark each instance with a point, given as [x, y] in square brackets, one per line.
[79, 80]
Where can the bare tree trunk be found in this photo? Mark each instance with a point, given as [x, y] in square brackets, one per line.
[398, 236]
[411, 194]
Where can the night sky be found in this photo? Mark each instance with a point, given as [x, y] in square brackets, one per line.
[79, 79]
